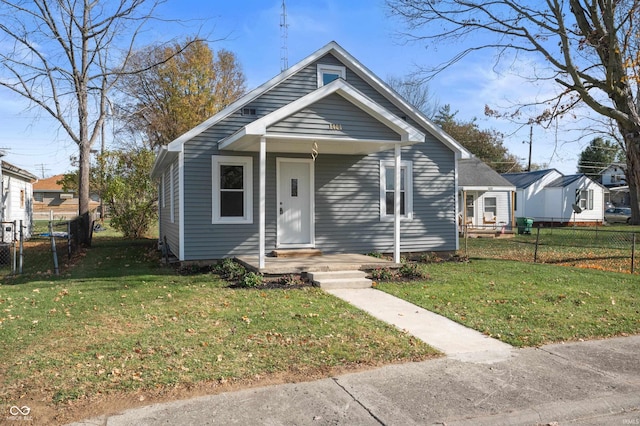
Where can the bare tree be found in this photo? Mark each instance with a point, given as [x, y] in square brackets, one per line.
[64, 56]
[415, 91]
[590, 50]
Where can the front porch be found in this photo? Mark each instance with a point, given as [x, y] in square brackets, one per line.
[321, 263]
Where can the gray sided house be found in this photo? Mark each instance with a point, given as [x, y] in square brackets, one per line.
[309, 160]
[486, 198]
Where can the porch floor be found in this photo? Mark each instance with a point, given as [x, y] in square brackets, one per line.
[322, 263]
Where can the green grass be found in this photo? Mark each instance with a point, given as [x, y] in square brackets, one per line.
[119, 322]
[607, 248]
[527, 304]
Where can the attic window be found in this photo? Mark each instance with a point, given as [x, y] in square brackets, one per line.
[248, 111]
[328, 73]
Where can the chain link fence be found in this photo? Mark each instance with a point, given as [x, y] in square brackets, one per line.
[586, 247]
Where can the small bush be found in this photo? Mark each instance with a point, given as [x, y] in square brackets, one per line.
[251, 280]
[291, 280]
[412, 270]
[376, 254]
[231, 270]
[383, 274]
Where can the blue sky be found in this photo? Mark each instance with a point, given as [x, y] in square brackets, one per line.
[251, 29]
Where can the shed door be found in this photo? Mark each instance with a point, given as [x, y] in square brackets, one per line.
[295, 203]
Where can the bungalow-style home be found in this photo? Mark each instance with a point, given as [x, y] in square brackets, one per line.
[325, 155]
[16, 203]
[550, 197]
[485, 198]
[50, 199]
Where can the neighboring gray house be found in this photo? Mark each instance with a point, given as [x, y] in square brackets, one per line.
[308, 160]
[548, 196]
[485, 198]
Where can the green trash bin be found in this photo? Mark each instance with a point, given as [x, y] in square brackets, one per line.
[524, 225]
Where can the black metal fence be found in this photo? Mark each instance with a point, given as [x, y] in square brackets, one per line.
[587, 247]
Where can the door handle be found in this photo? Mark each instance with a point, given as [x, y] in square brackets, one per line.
[281, 210]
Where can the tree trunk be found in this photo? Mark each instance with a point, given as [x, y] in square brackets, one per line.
[632, 142]
[84, 170]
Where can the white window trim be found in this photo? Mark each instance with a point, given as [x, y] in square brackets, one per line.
[162, 189]
[332, 69]
[407, 166]
[247, 164]
[586, 203]
[172, 213]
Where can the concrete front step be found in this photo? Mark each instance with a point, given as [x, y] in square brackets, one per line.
[340, 279]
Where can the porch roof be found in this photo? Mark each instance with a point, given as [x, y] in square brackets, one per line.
[330, 141]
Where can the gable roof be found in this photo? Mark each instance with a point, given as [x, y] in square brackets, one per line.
[354, 65]
[474, 173]
[525, 179]
[49, 184]
[11, 169]
[246, 138]
[563, 181]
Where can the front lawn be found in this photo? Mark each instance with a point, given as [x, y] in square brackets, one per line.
[526, 304]
[118, 326]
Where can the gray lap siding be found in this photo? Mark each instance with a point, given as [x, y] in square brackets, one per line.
[347, 205]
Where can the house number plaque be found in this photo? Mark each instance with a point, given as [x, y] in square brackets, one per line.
[335, 126]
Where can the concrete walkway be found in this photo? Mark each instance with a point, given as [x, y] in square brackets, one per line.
[581, 383]
[454, 340]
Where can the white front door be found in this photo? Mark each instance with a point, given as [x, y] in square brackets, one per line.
[295, 202]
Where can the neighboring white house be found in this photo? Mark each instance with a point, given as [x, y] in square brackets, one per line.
[486, 198]
[613, 175]
[16, 204]
[614, 179]
[548, 196]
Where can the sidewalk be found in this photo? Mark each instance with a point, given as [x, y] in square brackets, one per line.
[587, 383]
[454, 340]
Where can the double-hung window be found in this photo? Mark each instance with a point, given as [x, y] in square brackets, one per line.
[387, 180]
[586, 199]
[232, 189]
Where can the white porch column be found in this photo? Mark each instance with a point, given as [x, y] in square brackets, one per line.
[262, 190]
[396, 206]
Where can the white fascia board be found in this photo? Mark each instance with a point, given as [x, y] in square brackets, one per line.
[488, 188]
[252, 95]
[398, 101]
[341, 87]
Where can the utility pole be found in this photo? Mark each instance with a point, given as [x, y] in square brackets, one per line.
[43, 169]
[530, 146]
[284, 33]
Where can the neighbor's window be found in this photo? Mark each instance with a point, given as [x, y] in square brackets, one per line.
[328, 73]
[586, 199]
[491, 206]
[232, 189]
[387, 179]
